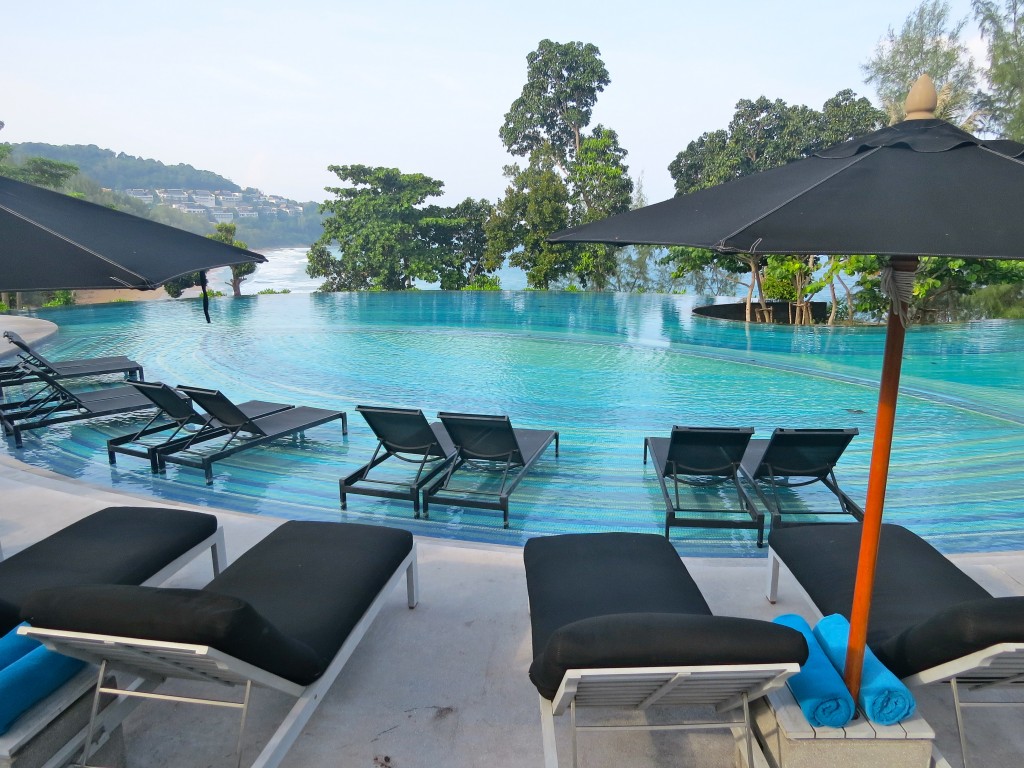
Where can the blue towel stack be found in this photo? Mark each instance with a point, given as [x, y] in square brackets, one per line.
[28, 674]
[818, 688]
[883, 698]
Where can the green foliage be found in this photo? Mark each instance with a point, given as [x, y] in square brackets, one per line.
[484, 283]
[562, 83]
[534, 206]
[4, 308]
[377, 224]
[225, 233]
[61, 299]
[1004, 301]
[176, 286]
[929, 42]
[122, 171]
[458, 243]
[272, 291]
[1003, 31]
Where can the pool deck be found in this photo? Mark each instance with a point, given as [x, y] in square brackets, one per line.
[446, 683]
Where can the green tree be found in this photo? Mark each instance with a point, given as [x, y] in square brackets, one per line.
[377, 226]
[928, 43]
[562, 83]
[458, 240]
[535, 205]
[226, 234]
[1003, 30]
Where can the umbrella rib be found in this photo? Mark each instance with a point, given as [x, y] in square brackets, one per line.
[720, 246]
[76, 244]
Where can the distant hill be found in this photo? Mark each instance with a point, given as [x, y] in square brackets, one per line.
[121, 171]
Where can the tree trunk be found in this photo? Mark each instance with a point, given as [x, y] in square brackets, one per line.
[236, 286]
[835, 303]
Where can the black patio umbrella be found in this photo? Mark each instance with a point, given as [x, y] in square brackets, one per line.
[51, 241]
[919, 188]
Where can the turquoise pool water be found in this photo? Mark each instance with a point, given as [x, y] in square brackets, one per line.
[603, 369]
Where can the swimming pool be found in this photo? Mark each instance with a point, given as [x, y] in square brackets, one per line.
[603, 369]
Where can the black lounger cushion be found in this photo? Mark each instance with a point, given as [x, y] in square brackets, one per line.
[913, 581]
[315, 580]
[189, 616]
[662, 639]
[117, 545]
[955, 632]
[583, 576]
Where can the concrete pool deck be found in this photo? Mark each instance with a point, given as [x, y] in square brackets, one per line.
[446, 684]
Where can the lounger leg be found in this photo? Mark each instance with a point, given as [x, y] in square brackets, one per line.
[772, 588]
[749, 732]
[412, 582]
[572, 732]
[241, 727]
[86, 748]
[218, 553]
[959, 719]
[547, 731]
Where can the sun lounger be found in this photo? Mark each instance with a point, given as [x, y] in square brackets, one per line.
[491, 444]
[242, 431]
[117, 545]
[14, 374]
[285, 615]
[930, 621]
[53, 403]
[793, 458]
[617, 621]
[405, 435]
[702, 457]
[174, 416]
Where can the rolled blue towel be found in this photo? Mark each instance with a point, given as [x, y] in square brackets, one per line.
[818, 688]
[883, 698]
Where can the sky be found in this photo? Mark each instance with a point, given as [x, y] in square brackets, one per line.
[269, 94]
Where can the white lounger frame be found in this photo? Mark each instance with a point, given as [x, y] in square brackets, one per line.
[1000, 665]
[725, 687]
[157, 661]
[39, 717]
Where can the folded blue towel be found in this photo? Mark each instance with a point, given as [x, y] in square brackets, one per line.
[818, 688]
[30, 679]
[884, 699]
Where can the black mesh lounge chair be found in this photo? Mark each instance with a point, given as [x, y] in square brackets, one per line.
[405, 435]
[617, 621]
[175, 414]
[702, 457]
[286, 615]
[243, 432]
[53, 403]
[792, 458]
[488, 443]
[117, 545]
[930, 621]
[13, 374]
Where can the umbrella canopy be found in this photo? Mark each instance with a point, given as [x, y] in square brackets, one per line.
[919, 188]
[50, 241]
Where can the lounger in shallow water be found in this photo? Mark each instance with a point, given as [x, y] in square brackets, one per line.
[242, 431]
[490, 444]
[285, 615]
[930, 621]
[168, 431]
[405, 435]
[16, 375]
[793, 458]
[618, 622]
[702, 457]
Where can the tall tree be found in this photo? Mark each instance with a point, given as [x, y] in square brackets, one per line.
[376, 224]
[459, 243]
[1003, 30]
[225, 233]
[928, 43]
[562, 83]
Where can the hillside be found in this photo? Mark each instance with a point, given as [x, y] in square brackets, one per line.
[262, 220]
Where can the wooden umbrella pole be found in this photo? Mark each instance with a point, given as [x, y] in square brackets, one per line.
[885, 421]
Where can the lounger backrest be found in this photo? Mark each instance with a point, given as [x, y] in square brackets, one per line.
[215, 403]
[50, 382]
[481, 437]
[21, 344]
[167, 399]
[402, 430]
[706, 450]
[804, 452]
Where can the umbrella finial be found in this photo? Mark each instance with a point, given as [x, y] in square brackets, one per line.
[922, 100]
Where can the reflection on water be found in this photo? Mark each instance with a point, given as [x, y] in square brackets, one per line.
[603, 369]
